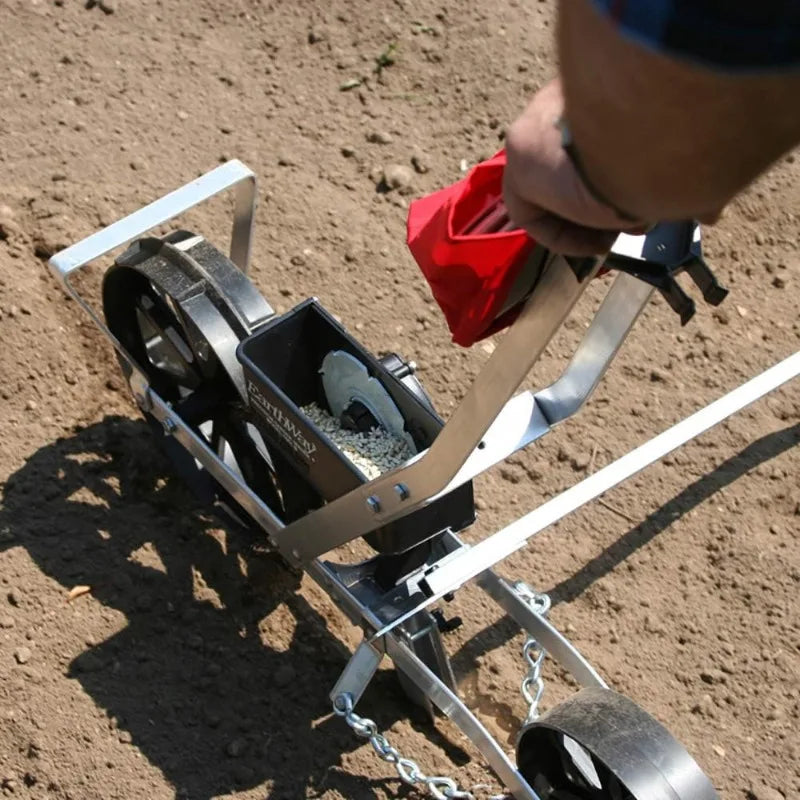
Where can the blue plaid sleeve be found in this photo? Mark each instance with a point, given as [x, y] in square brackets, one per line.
[725, 34]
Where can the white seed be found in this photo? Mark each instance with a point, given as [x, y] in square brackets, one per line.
[374, 452]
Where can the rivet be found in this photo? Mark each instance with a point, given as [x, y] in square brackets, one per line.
[374, 503]
[402, 491]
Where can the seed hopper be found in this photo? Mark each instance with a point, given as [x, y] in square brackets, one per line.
[288, 424]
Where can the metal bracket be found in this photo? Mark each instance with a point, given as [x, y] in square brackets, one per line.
[358, 673]
[231, 175]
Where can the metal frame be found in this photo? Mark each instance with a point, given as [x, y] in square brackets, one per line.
[488, 426]
[231, 175]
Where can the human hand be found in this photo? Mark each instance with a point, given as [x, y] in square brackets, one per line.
[545, 194]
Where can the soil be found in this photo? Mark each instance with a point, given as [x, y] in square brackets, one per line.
[195, 667]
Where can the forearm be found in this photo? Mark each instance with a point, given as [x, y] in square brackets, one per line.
[661, 138]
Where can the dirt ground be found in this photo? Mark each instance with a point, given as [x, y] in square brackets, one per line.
[179, 675]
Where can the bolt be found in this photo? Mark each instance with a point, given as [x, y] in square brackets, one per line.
[374, 503]
[169, 426]
[402, 491]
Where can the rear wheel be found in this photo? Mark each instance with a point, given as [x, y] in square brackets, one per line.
[599, 745]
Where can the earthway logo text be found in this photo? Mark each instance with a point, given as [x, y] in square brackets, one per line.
[281, 422]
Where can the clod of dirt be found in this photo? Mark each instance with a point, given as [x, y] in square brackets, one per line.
[23, 655]
[713, 676]
[8, 224]
[420, 163]
[7, 622]
[398, 176]
[379, 137]
[77, 591]
[14, 597]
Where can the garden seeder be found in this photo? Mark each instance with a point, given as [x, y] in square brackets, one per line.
[294, 428]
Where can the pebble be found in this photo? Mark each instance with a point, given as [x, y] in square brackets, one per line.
[136, 165]
[705, 706]
[14, 597]
[349, 152]
[379, 137]
[420, 163]
[284, 675]
[287, 160]
[236, 747]
[581, 461]
[778, 282]
[721, 316]
[23, 655]
[183, 115]
[125, 737]
[719, 750]
[713, 676]
[398, 176]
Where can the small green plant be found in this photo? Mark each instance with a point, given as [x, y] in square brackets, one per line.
[385, 59]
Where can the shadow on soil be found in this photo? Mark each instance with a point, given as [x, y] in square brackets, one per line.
[205, 700]
[759, 452]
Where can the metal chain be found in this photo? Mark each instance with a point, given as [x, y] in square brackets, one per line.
[437, 786]
[532, 686]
